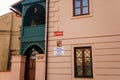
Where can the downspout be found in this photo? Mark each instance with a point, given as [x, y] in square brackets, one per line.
[9, 53]
[47, 36]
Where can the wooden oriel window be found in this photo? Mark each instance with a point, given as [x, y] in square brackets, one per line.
[83, 62]
[81, 7]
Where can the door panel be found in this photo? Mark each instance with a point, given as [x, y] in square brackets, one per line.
[30, 70]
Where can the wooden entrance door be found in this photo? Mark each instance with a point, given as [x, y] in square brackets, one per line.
[30, 69]
[31, 62]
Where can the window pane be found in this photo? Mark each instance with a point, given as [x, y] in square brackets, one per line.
[87, 62]
[85, 10]
[87, 52]
[77, 11]
[79, 71]
[77, 3]
[78, 52]
[79, 62]
[88, 71]
[85, 3]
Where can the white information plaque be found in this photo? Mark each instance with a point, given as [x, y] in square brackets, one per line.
[59, 51]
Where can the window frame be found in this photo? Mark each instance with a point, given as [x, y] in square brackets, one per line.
[81, 9]
[83, 64]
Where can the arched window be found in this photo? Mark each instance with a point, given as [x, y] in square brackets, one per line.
[30, 50]
[35, 15]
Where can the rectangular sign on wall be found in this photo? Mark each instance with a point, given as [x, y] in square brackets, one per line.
[58, 33]
[59, 51]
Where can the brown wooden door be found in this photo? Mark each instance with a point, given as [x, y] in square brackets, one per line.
[30, 69]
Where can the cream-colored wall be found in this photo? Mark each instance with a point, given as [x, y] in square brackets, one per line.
[5, 27]
[9, 34]
[100, 30]
[15, 44]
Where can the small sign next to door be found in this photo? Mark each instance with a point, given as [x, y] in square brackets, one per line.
[58, 33]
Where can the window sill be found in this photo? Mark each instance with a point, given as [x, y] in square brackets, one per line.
[82, 16]
[84, 77]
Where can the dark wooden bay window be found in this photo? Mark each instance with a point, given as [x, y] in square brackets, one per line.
[83, 62]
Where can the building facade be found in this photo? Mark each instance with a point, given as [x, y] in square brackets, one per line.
[81, 41]
[9, 38]
[89, 27]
